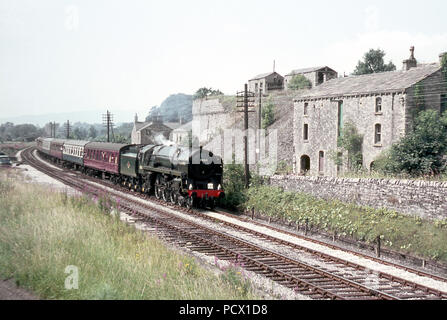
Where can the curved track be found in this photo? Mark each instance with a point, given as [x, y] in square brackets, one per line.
[349, 281]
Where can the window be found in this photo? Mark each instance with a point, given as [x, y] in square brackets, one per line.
[306, 105]
[340, 117]
[321, 161]
[256, 87]
[378, 105]
[306, 132]
[377, 134]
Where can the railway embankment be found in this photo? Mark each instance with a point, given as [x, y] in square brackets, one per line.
[63, 246]
[408, 234]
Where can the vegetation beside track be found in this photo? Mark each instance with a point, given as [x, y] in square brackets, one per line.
[42, 232]
[397, 231]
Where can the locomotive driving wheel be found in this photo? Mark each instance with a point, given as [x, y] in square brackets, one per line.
[189, 202]
[173, 197]
[164, 195]
[157, 192]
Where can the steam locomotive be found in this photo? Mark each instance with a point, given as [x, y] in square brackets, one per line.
[186, 176]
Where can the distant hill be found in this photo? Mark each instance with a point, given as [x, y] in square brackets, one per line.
[93, 116]
[174, 107]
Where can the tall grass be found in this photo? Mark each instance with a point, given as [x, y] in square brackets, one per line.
[43, 232]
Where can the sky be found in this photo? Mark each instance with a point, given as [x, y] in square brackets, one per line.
[67, 56]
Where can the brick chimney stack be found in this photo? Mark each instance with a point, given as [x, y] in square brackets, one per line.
[411, 62]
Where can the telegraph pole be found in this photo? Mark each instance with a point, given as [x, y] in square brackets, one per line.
[258, 136]
[107, 120]
[67, 128]
[247, 99]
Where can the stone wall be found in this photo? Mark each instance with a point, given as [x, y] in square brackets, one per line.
[427, 199]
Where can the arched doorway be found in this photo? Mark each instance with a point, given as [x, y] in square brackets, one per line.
[305, 164]
[372, 166]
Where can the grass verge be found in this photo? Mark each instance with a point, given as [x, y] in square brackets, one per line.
[43, 232]
[400, 232]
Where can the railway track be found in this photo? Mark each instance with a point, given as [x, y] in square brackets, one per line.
[349, 281]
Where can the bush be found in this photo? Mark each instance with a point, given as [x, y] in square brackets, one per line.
[299, 82]
[268, 113]
[234, 185]
[422, 151]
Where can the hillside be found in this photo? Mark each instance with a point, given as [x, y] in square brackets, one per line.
[173, 107]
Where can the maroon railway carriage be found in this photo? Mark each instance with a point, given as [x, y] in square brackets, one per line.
[56, 148]
[103, 156]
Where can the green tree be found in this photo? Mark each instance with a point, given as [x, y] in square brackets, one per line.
[268, 113]
[420, 152]
[206, 92]
[350, 142]
[373, 62]
[299, 82]
[79, 133]
[92, 133]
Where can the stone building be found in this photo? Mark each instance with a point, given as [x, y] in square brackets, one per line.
[181, 134]
[380, 105]
[316, 75]
[152, 132]
[268, 82]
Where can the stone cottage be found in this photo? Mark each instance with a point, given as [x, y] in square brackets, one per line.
[267, 82]
[380, 106]
[152, 132]
[181, 134]
[316, 75]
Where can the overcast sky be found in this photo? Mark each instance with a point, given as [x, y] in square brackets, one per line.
[63, 56]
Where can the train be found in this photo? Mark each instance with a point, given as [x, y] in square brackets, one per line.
[190, 177]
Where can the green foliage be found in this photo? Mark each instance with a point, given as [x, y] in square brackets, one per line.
[79, 133]
[283, 168]
[92, 132]
[19, 132]
[420, 152]
[299, 82]
[398, 231]
[373, 62]
[206, 92]
[350, 142]
[234, 185]
[173, 108]
[268, 113]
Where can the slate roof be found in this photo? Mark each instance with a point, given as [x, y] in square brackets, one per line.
[185, 127]
[140, 125]
[263, 75]
[172, 125]
[307, 70]
[393, 81]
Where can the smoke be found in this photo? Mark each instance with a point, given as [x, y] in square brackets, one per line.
[160, 139]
